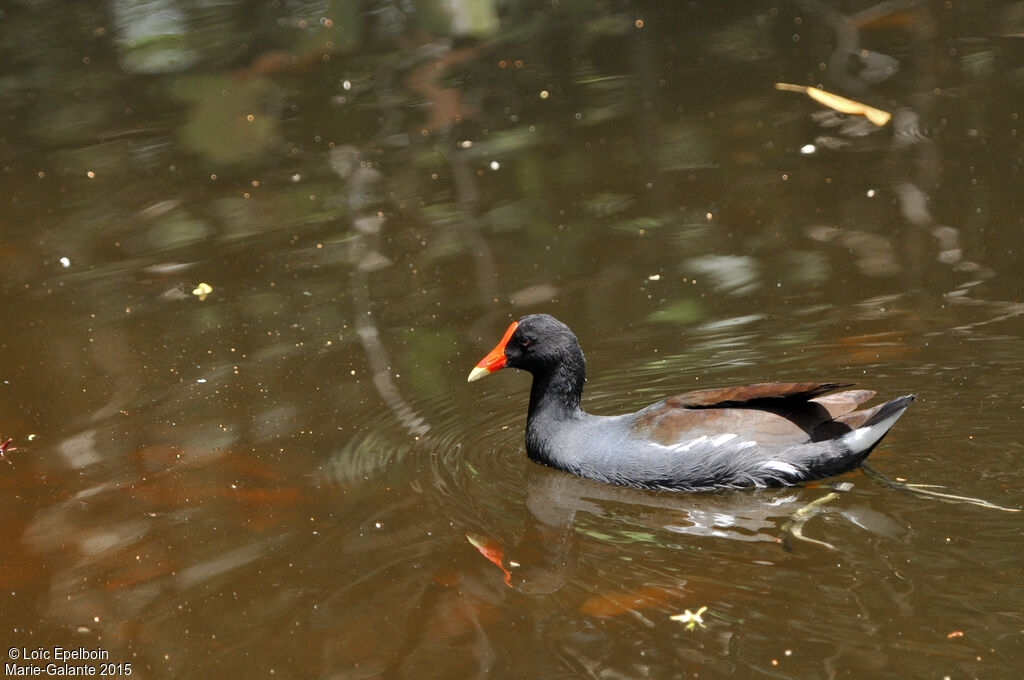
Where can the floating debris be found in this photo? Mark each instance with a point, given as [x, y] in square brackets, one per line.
[691, 619]
[842, 104]
[202, 290]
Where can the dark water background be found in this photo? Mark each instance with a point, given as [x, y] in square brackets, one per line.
[282, 479]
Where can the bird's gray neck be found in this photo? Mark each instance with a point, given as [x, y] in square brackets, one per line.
[557, 393]
[554, 401]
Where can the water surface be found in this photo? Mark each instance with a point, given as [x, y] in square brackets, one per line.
[289, 476]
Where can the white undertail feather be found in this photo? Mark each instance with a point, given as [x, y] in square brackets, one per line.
[863, 438]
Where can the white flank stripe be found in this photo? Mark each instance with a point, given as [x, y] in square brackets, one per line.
[686, 446]
[781, 466]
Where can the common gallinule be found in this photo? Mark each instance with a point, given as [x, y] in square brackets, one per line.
[769, 434]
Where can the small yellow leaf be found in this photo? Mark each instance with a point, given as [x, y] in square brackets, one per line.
[841, 104]
[691, 619]
[202, 290]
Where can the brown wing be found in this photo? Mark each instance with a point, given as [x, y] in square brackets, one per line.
[841, 403]
[743, 395]
[774, 414]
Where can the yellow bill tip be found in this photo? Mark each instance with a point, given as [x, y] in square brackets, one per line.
[477, 373]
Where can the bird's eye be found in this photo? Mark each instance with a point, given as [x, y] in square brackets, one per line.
[526, 342]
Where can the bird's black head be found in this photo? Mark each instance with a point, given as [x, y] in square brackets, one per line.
[538, 343]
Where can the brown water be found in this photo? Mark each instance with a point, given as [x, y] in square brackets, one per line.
[288, 478]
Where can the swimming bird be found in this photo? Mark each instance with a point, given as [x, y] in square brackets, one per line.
[766, 434]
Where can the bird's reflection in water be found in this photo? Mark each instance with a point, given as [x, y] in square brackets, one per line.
[565, 506]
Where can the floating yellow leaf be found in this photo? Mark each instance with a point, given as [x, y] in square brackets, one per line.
[691, 619]
[841, 104]
[202, 290]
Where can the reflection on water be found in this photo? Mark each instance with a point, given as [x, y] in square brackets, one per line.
[290, 473]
